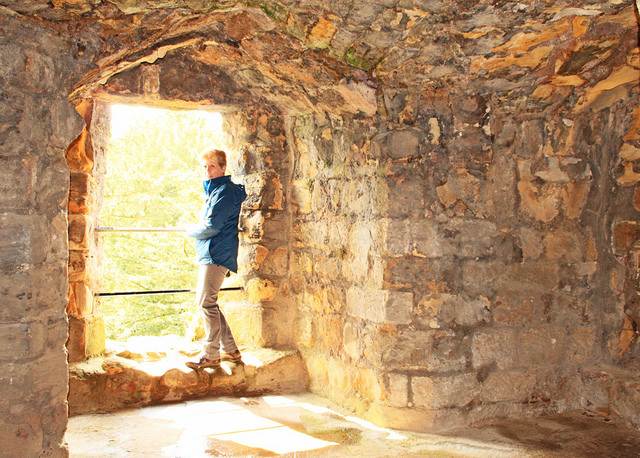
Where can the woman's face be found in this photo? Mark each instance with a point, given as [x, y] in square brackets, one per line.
[211, 169]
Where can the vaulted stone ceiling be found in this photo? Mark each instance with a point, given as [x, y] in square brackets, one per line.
[358, 56]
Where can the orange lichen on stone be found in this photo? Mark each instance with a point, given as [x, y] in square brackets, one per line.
[279, 195]
[634, 132]
[530, 59]
[619, 77]
[543, 91]
[580, 26]
[575, 197]
[322, 33]
[626, 334]
[629, 152]
[629, 177]
[625, 234]
[568, 80]
[522, 41]
[480, 32]
[543, 208]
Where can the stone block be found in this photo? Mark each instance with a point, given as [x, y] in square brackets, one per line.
[312, 235]
[359, 246]
[574, 197]
[441, 392]
[253, 224]
[260, 290]
[80, 153]
[430, 350]
[327, 268]
[301, 195]
[406, 195]
[24, 241]
[364, 196]
[304, 332]
[380, 305]
[518, 277]
[539, 203]
[80, 300]
[65, 122]
[522, 308]
[404, 143]
[366, 383]
[351, 341]
[407, 237]
[625, 234]
[22, 434]
[536, 346]
[481, 277]
[16, 177]
[50, 374]
[245, 322]
[471, 144]
[81, 197]
[462, 311]
[276, 261]
[564, 246]
[508, 386]
[80, 232]
[13, 380]
[82, 266]
[581, 344]
[467, 238]
[276, 227]
[21, 340]
[530, 243]
[328, 332]
[396, 389]
[86, 338]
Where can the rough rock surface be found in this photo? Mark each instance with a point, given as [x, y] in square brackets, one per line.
[444, 195]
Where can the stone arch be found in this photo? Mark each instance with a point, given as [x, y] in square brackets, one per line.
[198, 64]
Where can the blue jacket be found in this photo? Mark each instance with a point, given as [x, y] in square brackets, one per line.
[217, 233]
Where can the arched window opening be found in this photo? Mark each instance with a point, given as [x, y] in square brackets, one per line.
[151, 181]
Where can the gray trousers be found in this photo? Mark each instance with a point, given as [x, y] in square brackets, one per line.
[217, 332]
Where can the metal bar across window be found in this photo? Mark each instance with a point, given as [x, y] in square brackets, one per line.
[161, 291]
[139, 229]
[150, 292]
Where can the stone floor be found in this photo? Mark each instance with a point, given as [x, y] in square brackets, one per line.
[306, 425]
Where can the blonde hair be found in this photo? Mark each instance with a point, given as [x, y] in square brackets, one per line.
[213, 153]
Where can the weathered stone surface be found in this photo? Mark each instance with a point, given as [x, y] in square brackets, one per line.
[439, 392]
[80, 232]
[112, 383]
[471, 168]
[380, 306]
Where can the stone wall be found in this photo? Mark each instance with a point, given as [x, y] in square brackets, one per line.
[87, 168]
[447, 193]
[453, 257]
[37, 123]
[262, 314]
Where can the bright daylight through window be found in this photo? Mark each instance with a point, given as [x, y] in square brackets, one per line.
[152, 181]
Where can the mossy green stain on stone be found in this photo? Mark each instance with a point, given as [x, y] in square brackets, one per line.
[353, 59]
[274, 10]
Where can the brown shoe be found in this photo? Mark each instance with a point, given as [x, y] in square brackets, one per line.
[233, 357]
[203, 363]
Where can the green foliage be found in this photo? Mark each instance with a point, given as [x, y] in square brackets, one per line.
[152, 181]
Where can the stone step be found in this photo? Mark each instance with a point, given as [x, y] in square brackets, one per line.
[132, 378]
